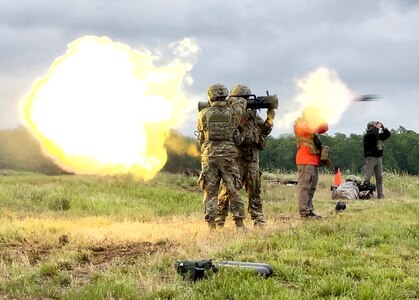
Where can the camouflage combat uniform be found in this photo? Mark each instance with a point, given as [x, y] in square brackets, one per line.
[217, 134]
[238, 105]
[255, 132]
[348, 189]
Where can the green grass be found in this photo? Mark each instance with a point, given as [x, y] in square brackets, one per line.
[118, 197]
[343, 256]
[403, 184]
[369, 251]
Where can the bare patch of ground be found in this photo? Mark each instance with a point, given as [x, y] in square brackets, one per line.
[97, 254]
[106, 253]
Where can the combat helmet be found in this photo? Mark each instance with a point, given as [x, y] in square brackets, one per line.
[217, 92]
[240, 90]
[354, 178]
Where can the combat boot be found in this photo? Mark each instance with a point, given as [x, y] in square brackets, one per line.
[240, 226]
[311, 216]
[211, 225]
[259, 223]
[220, 226]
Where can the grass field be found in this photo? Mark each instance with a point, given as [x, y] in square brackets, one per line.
[87, 237]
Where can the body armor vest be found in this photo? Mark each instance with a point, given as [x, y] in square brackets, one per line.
[309, 142]
[219, 125]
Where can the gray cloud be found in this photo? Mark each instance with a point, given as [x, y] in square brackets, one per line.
[372, 45]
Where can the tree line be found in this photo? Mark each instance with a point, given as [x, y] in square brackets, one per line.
[20, 151]
[347, 152]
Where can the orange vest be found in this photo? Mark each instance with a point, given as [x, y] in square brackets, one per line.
[304, 154]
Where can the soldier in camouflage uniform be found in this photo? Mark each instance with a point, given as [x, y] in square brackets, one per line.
[255, 131]
[348, 189]
[218, 136]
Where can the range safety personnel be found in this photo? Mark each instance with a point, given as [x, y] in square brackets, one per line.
[306, 130]
[373, 140]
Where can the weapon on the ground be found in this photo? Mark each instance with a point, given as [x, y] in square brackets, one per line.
[260, 268]
[253, 102]
[195, 269]
[198, 269]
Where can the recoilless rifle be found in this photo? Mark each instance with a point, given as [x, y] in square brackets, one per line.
[253, 102]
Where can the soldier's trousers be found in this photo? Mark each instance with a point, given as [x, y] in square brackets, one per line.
[308, 176]
[374, 166]
[251, 179]
[213, 170]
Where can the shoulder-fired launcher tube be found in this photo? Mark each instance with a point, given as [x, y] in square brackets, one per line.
[253, 102]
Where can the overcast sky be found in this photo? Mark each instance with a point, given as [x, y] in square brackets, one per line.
[372, 45]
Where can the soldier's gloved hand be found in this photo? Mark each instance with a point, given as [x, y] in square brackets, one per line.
[270, 116]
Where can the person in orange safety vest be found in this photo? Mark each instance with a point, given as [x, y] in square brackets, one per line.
[306, 129]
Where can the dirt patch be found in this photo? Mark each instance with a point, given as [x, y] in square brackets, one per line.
[128, 251]
[12, 252]
[94, 255]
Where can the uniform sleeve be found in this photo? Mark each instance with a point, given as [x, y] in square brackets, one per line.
[384, 135]
[200, 128]
[199, 122]
[264, 126]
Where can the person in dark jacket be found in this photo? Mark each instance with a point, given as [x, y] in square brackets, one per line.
[374, 139]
